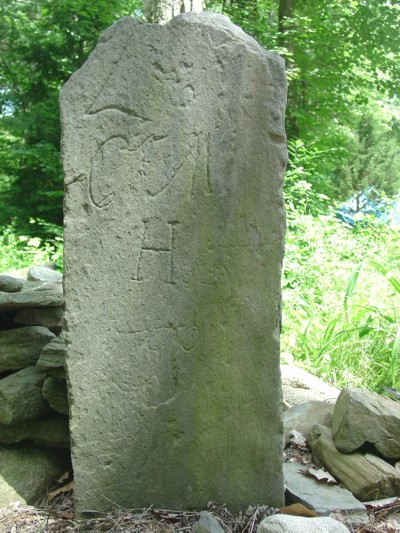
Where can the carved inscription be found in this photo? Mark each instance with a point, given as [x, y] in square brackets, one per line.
[156, 254]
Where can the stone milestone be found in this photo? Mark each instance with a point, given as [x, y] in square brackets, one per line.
[174, 152]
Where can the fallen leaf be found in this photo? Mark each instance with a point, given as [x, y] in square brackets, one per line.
[66, 488]
[63, 477]
[381, 504]
[320, 475]
[297, 509]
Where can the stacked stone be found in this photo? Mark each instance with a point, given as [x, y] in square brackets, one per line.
[33, 395]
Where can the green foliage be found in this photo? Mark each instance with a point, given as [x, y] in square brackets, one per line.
[342, 300]
[21, 251]
[41, 44]
[373, 160]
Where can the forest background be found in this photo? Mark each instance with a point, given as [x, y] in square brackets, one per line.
[341, 283]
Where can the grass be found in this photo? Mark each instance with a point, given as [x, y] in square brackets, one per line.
[341, 301]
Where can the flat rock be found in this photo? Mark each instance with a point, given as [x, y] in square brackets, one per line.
[50, 430]
[21, 347]
[19, 300]
[55, 393]
[280, 523]
[52, 358]
[207, 523]
[41, 273]
[10, 284]
[299, 386]
[302, 417]
[362, 416]
[365, 475]
[50, 317]
[21, 397]
[321, 497]
[31, 470]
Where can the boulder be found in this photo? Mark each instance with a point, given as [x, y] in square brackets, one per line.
[21, 397]
[280, 523]
[51, 317]
[21, 347]
[42, 273]
[8, 494]
[10, 284]
[319, 496]
[29, 298]
[31, 470]
[52, 358]
[365, 475]
[299, 386]
[302, 417]
[362, 416]
[50, 430]
[55, 393]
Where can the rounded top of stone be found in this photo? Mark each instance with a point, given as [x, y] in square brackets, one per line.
[217, 21]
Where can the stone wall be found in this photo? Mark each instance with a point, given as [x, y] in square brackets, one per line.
[33, 396]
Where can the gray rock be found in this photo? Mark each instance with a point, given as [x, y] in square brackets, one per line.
[41, 273]
[365, 475]
[304, 416]
[280, 523]
[321, 497]
[31, 470]
[299, 386]
[50, 430]
[21, 347]
[19, 300]
[50, 317]
[174, 373]
[207, 523]
[362, 416]
[10, 284]
[55, 393]
[52, 358]
[21, 397]
[8, 494]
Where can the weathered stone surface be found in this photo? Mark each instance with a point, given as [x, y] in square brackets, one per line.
[31, 470]
[51, 317]
[299, 386]
[55, 393]
[52, 358]
[21, 347]
[21, 396]
[173, 192]
[302, 417]
[42, 273]
[8, 494]
[321, 497]
[365, 475]
[280, 523]
[18, 300]
[50, 430]
[10, 284]
[362, 416]
[207, 523]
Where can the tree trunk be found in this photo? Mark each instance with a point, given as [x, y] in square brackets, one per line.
[162, 11]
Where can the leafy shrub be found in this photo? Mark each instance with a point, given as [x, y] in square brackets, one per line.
[341, 300]
[20, 251]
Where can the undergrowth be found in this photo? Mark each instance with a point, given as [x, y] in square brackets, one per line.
[341, 300]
